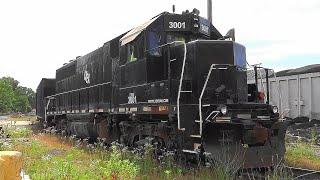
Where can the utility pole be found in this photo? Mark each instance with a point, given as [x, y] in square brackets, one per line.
[209, 10]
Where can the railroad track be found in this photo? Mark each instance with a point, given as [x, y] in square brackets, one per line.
[300, 173]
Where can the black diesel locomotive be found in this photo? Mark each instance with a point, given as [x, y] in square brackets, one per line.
[173, 81]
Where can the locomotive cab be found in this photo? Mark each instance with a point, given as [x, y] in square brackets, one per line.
[180, 66]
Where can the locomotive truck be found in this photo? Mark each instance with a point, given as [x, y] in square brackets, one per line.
[174, 81]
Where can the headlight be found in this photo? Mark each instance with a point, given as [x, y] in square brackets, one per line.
[224, 110]
[275, 109]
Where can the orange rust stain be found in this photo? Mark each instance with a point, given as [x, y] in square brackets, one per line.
[261, 134]
[52, 141]
[304, 163]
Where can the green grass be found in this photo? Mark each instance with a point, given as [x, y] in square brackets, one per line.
[18, 132]
[22, 118]
[49, 157]
[303, 155]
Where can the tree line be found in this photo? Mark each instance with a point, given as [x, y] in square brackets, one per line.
[15, 98]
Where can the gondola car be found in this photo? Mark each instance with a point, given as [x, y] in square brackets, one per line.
[173, 81]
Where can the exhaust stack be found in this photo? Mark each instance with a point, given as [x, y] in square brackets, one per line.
[209, 10]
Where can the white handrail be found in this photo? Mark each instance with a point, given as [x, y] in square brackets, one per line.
[201, 95]
[46, 109]
[181, 80]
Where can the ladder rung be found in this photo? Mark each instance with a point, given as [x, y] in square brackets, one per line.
[205, 105]
[195, 136]
[220, 68]
[197, 121]
[186, 91]
[189, 151]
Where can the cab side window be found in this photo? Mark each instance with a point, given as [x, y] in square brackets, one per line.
[154, 41]
[135, 49]
[132, 54]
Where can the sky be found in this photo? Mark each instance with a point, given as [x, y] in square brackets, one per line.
[39, 36]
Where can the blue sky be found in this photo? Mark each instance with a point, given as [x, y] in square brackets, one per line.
[37, 36]
[293, 62]
[287, 61]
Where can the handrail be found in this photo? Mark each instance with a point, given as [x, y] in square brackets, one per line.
[46, 109]
[203, 90]
[201, 95]
[180, 83]
[163, 45]
[181, 75]
[75, 90]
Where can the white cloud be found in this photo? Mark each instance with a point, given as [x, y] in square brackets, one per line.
[289, 27]
[37, 37]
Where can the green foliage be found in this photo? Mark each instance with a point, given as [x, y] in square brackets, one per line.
[47, 159]
[27, 93]
[6, 96]
[42, 163]
[300, 150]
[21, 104]
[303, 155]
[118, 168]
[13, 83]
[15, 98]
[18, 132]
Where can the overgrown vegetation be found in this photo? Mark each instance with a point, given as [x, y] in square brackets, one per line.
[26, 118]
[20, 132]
[49, 157]
[305, 155]
[15, 98]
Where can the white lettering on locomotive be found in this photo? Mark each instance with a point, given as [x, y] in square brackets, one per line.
[132, 99]
[204, 28]
[177, 25]
[158, 100]
[86, 77]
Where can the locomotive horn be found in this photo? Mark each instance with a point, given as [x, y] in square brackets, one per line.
[231, 34]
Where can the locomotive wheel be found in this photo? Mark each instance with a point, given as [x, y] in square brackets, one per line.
[223, 142]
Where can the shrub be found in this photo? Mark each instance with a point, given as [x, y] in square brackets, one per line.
[18, 132]
[118, 168]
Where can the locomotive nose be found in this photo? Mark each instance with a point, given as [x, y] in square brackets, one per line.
[240, 147]
[224, 144]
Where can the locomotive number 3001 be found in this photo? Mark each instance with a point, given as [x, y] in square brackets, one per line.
[177, 25]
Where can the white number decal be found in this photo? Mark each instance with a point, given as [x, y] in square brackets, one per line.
[204, 28]
[177, 25]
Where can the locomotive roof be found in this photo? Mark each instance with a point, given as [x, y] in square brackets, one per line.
[135, 32]
[132, 34]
